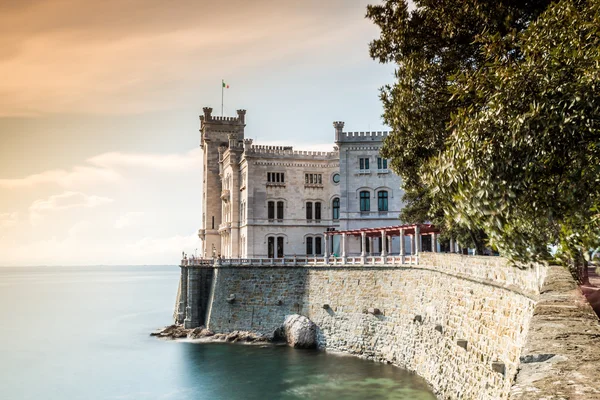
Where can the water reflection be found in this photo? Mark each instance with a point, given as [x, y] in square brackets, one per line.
[252, 372]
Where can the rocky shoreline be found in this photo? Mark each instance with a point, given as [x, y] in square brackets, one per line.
[178, 332]
[297, 331]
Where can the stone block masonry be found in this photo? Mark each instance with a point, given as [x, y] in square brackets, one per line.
[459, 322]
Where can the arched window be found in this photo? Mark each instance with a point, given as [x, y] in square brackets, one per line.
[318, 245]
[365, 201]
[309, 214]
[335, 207]
[317, 210]
[309, 246]
[271, 210]
[382, 200]
[280, 210]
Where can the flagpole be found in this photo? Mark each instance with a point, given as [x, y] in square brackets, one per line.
[222, 91]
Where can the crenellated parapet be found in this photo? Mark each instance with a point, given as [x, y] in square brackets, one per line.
[354, 137]
[285, 152]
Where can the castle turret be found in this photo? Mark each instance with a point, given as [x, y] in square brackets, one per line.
[339, 127]
[215, 132]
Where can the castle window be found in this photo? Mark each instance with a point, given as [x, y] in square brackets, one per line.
[335, 207]
[271, 247]
[318, 246]
[317, 210]
[363, 163]
[275, 177]
[280, 247]
[313, 179]
[271, 210]
[309, 209]
[365, 201]
[381, 163]
[382, 200]
[280, 210]
[309, 246]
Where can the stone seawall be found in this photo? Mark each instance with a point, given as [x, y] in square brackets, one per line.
[460, 322]
[462, 331]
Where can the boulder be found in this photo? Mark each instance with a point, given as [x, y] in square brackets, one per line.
[300, 332]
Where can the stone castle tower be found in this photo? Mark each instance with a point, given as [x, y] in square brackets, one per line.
[216, 135]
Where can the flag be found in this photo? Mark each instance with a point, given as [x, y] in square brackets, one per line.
[225, 85]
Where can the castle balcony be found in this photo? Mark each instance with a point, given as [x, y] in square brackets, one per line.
[363, 171]
[225, 194]
[276, 184]
[225, 227]
[201, 233]
[314, 185]
[383, 171]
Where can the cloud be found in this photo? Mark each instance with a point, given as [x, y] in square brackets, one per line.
[60, 177]
[107, 167]
[128, 219]
[171, 247]
[8, 220]
[65, 201]
[167, 162]
[129, 56]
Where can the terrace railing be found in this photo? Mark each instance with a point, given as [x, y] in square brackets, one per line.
[303, 261]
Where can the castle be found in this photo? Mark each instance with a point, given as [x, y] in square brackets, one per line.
[273, 201]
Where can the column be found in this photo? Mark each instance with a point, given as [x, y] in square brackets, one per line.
[383, 244]
[363, 241]
[370, 246]
[412, 244]
[402, 251]
[192, 311]
[182, 296]
[343, 244]
[452, 245]
[417, 239]
[434, 242]
[326, 249]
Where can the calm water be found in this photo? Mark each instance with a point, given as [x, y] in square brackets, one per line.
[82, 333]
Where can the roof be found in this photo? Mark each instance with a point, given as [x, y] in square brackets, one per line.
[409, 229]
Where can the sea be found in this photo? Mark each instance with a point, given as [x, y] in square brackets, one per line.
[83, 333]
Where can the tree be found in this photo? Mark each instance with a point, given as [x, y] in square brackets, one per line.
[430, 45]
[522, 161]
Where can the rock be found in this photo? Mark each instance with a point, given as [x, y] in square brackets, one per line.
[171, 332]
[300, 332]
[199, 333]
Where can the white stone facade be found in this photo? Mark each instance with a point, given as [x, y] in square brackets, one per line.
[273, 201]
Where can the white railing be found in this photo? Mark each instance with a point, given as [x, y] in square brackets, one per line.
[304, 261]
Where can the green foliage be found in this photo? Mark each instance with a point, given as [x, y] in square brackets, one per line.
[433, 43]
[522, 161]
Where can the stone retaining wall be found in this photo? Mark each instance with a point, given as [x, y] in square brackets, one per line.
[460, 322]
[462, 335]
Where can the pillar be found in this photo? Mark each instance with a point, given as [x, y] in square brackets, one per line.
[343, 247]
[412, 244]
[370, 246]
[434, 242]
[402, 251]
[326, 249]
[192, 317]
[181, 308]
[452, 245]
[363, 241]
[417, 239]
[383, 244]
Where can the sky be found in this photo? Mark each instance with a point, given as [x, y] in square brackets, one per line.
[99, 105]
